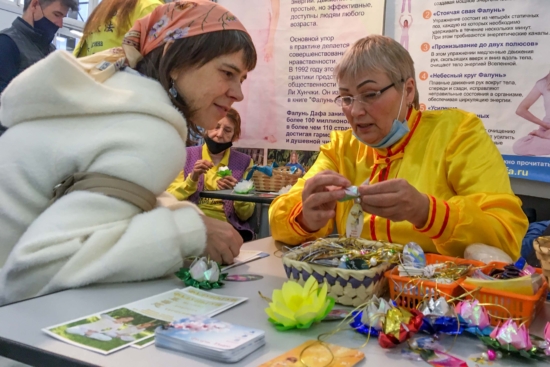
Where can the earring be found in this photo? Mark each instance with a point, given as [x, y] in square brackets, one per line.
[173, 92]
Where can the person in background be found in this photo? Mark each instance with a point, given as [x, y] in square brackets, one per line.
[29, 39]
[430, 177]
[109, 22]
[294, 162]
[201, 173]
[536, 230]
[84, 166]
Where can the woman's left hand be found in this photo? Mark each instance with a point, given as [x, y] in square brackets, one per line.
[227, 183]
[395, 200]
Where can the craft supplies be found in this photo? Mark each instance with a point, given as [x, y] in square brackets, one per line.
[345, 264]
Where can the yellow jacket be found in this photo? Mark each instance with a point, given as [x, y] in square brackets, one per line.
[183, 188]
[448, 156]
[108, 36]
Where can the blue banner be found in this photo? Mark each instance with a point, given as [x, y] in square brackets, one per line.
[529, 168]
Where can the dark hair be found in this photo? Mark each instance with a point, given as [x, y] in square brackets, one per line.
[105, 11]
[71, 4]
[235, 118]
[195, 51]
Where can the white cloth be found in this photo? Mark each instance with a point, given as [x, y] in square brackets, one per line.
[61, 122]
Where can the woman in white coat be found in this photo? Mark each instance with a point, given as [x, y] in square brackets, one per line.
[115, 114]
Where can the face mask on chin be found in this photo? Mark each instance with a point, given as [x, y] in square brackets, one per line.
[398, 130]
[216, 148]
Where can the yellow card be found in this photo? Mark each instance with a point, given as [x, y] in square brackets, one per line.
[317, 355]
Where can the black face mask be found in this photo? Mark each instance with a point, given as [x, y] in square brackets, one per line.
[215, 147]
[47, 28]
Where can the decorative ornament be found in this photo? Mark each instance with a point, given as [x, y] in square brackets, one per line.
[509, 339]
[350, 193]
[398, 326]
[244, 187]
[203, 273]
[474, 316]
[224, 171]
[370, 320]
[439, 318]
[295, 306]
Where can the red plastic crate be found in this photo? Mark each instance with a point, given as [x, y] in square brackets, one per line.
[522, 308]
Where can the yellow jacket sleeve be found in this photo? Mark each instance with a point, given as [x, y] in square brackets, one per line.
[243, 209]
[284, 227]
[182, 188]
[80, 50]
[484, 210]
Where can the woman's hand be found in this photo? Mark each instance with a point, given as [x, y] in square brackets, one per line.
[395, 200]
[319, 197]
[223, 242]
[201, 167]
[227, 183]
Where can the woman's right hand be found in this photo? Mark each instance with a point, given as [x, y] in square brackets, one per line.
[200, 168]
[319, 197]
[223, 242]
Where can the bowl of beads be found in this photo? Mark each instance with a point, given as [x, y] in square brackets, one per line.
[353, 268]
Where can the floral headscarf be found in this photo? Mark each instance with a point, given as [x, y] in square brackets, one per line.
[165, 24]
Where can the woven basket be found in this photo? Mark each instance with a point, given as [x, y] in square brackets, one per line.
[542, 249]
[281, 177]
[347, 287]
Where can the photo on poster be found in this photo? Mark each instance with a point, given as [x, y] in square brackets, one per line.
[261, 20]
[301, 159]
[537, 141]
[257, 154]
[106, 332]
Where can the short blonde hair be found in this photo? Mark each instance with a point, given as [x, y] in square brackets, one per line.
[379, 54]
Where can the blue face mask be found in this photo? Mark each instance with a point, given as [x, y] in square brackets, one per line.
[398, 130]
[47, 28]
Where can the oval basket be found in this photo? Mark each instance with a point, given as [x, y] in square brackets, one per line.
[347, 287]
[281, 177]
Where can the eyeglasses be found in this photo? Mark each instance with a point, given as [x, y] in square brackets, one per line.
[366, 98]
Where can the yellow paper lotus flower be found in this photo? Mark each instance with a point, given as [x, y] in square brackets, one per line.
[295, 306]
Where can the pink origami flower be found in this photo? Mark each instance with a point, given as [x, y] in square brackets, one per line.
[473, 313]
[510, 334]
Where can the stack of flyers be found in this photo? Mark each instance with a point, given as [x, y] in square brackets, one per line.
[209, 338]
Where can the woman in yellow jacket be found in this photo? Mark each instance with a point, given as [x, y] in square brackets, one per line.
[432, 177]
[109, 22]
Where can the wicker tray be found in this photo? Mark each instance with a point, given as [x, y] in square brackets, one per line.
[347, 287]
[281, 177]
[542, 250]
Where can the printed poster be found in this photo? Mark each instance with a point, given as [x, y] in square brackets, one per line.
[289, 96]
[489, 57]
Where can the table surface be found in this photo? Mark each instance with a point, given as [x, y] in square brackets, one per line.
[21, 324]
[230, 195]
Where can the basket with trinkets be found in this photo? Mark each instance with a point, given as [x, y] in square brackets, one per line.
[353, 268]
